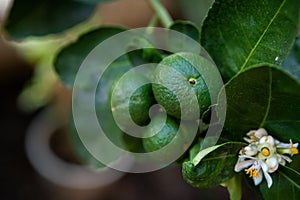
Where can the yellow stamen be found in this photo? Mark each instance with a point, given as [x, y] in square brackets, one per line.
[255, 174]
[253, 138]
[265, 151]
[249, 171]
[252, 173]
[294, 151]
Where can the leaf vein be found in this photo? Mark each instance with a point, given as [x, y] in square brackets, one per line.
[262, 36]
[269, 99]
[290, 180]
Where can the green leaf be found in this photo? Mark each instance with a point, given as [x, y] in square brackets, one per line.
[195, 10]
[286, 185]
[67, 64]
[104, 114]
[263, 96]
[234, 187]
[103, 103]
[239, 33]
[215, 168]
[204, 153]
[292, 63]
[142, 55]
[187, 28]
[37, 18]
[296, 162]
[70, 58]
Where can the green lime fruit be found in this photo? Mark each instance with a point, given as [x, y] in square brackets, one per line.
[138, 103]
[164, 130]
[133, 144]
[180, 87]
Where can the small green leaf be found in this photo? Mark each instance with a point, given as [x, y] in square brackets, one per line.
[183, 44]
[215, 167]
[37, 18]
[195, 10]
[204, 153]
[103, 103]
[104, 114]
[239, 33]
[142, 55]
[286, 185]
[234, 187]
[67, 64]
[292, 63]
[187, 28]
[70, 58]
[263, 96]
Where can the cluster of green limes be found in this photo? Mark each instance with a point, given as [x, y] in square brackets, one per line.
[177, 86]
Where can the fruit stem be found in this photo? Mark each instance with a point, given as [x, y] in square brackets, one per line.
[152, 24]
[161, 12]
[153, 21]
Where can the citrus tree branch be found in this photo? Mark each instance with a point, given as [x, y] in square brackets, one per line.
[161, 12]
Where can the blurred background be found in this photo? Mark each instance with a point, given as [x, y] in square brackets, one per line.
[29, 88]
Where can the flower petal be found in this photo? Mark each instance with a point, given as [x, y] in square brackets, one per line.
[251, 133]
[269, 179]
[257, 180]
[267, 139]
[266, 174]
[260, 133]
[281, 160]
[247, 140]
[263, 165]
[272, 163]
[285, 157]
[242, 164]
[287, 145]
[283, 145]
[250, 150]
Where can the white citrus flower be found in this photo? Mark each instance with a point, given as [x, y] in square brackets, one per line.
[257, 169]
[263, 155]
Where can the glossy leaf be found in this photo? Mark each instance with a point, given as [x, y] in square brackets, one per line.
[239, 33]
[113, 71]
[286, 185]
[183, 44]
[195, 10]
[37, 18]
[234, 187]
[103, 103]
[215, 168]
[187, 28]
[103, 111]
[70, 58]
[197, 159]
[292, 63]
[263, 96]
[67, 65]
[142, 55]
